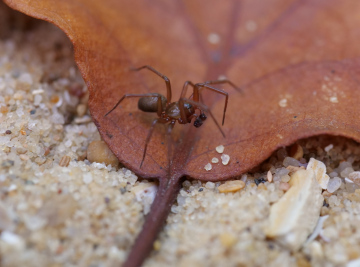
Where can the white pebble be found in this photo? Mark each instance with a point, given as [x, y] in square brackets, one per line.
[87, 178]
[329, 147]
[215, 160]
[210, 185]
[283, 103]
[26, 78]
[208, 167]
[37, 91]
[334, 184]
[349, 181]
[220, 149]
[13, 240]
[334, 99]
[225, 159]
[12, 187]
[289, 161]
[37, 100]
[146, 190]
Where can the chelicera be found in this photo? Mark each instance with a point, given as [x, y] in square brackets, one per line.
[181, 111]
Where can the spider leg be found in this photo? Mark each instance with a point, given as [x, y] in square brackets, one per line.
[139, 95]
[224, 81]
[166, 79]
[196, 95]
[184, 90]
[202, 107]
[148, 139]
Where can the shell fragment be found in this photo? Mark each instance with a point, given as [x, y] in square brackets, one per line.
[295, 215]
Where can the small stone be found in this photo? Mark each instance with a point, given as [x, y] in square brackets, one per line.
[157, 245]
[228, 240]
[215, 160]
[285, 178]
[225, 159]
[284, 186]
[334, 184]
[231, 186]
[208, 167]
[13, 240]
[24, 157]
[355, 177]
[328, 148]
[8, 132]
[345, 172]
[334, 99]
[87, 178]
[210, 185]
[283, 103]
[320, 172]
[98, 151]
[64, 162]
[40, 160]
[81, 110]
[145, 192]
[21, 150]
[262, 186]
[296, 151]
[4, 109]
[289, 161]
[220, 149]
[269, 176]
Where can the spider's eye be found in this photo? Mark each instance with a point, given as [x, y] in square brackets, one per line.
[198, 122]
[203, 116]
[187, 105]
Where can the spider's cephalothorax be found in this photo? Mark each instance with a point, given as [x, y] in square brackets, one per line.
[182, 111]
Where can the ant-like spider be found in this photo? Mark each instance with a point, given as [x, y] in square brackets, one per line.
[182, 111]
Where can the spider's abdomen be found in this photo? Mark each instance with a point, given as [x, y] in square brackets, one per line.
[150, 104]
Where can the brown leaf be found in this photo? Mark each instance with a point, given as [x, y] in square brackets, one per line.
[296, 61]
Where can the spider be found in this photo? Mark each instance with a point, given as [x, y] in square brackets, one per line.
[182, 111]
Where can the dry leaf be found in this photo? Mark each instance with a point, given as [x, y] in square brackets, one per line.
[296, 61]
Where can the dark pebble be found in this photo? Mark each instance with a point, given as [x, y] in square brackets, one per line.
[123, 190]
[7, 163]
[33, 111]
[259, 181]
[325, 204]
[8, 132]
[201, 189]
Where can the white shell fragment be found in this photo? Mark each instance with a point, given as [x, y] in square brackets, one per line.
[145, 190]
[225, 159]
[220, 149]
[296, 214]
[208, 167]
[269, 176]
[320, 172]
[214, 160]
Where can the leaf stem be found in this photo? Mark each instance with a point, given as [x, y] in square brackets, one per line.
[160, 209]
